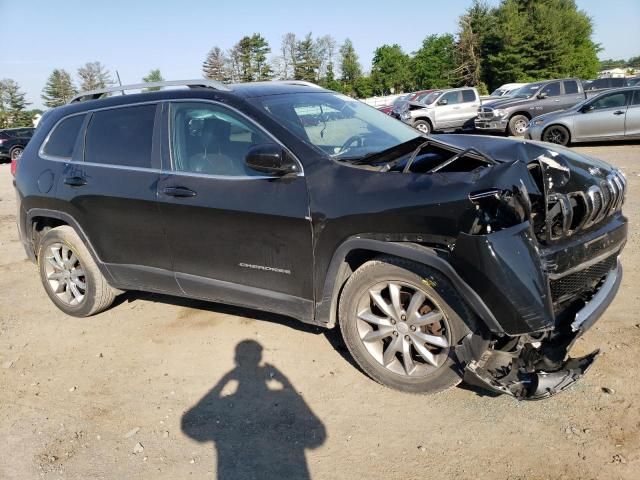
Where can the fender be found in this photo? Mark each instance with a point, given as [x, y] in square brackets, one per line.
[338, 271]
[73, 223]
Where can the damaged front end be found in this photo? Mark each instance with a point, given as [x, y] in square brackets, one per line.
[542, 253]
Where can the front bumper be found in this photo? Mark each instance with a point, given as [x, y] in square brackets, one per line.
[491, 125]
[533, 132]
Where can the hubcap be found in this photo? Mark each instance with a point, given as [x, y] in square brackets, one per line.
[15, 155]
[403, 329]
[521, 126]
[422, 128]
[65, 275]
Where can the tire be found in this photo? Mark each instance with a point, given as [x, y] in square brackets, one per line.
[556, 134]
[422, 126]
[518, 125]
[15, 153]
[60, 277]
[372, 356]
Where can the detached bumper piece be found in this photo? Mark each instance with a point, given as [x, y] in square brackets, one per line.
[525, 385]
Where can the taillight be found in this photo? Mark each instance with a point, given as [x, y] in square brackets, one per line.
[14, 165]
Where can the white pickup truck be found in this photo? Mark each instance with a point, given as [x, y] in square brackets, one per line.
[448, 109]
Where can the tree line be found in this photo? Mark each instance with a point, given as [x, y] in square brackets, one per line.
[514, 41]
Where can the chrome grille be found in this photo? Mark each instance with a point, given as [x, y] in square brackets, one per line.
[485, 113]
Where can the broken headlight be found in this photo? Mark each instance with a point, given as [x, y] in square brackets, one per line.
[498, 209]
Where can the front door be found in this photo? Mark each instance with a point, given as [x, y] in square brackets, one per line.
[448, 110]
[605, 119]
[235, 234]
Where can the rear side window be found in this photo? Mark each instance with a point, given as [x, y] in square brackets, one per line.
[468, 96]
[570, 86]
[63, 138]
[636, 98]
[121, 136]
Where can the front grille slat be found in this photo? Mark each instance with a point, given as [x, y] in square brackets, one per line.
[581, 281]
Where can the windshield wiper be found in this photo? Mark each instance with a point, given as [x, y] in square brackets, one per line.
[377, 157]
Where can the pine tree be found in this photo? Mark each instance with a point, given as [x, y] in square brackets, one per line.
[153, 76]
[59, 89]
[349, 66]
[307, 63]
[93, 75]
[215, 66]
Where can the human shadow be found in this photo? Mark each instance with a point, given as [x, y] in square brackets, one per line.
[262, 427]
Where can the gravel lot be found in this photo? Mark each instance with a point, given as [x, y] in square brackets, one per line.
[104, 397]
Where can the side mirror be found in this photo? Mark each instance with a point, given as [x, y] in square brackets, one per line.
[543, 95]
[587, 108]
[270, 159]
[444, 101]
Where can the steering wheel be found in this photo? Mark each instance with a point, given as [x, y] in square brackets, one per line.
[359, 138]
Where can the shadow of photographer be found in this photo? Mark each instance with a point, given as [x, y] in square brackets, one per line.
[260, 425]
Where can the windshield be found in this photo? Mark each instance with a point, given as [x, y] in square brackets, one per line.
[432, 97]
[498, 92]
[527, 91]
[339, 126]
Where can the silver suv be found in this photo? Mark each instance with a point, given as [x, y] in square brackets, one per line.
[448, 109]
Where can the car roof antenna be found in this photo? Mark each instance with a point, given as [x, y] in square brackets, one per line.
[119, 81]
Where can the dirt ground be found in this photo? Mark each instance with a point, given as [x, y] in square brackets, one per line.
[144, 390]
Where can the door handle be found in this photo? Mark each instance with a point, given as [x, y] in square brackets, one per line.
[75, 181]
[181, 192]
[618, 112]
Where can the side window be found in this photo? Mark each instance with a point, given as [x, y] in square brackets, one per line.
[63, 138]
[618, 82]
[211, 139]
[636, 97]
[552, 90]
[121, 136]
[451, 97]
[615, 100]
[570, 87]
[468, 96]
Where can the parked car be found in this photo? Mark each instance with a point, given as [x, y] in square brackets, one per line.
[13, 141]
[449, 109]
[632, 82]
[438, 257]
[409, 97]
[612, 115]
[512, 114]
[503, 91]
[604, 83]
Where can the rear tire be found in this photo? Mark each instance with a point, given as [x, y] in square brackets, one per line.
[422, 126]
[401, 345]
[517, 125]
[15, 153]
[70, 276]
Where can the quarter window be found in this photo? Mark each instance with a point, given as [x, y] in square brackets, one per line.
[615, 100]
[121, 136]
[570, 87]
[552, 90]
[211, 139]
[636, 97]
[63, 138]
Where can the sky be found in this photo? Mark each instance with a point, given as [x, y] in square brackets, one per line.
[175, 36]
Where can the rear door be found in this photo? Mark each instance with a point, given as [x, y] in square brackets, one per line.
[469, 106]
[632, 119]
[112, 195]
[606, 119]
[235, 234]
[571, 94]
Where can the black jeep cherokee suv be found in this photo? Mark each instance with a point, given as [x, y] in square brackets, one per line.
[440, 258]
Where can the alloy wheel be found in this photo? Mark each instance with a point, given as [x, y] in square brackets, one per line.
[15, 153]
[555, 135]
[403, 329]
[65, 275]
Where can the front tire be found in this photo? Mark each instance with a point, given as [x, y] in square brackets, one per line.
[70, 276]
[557, 134]
[398, 321]
[422, 126]
[518, 125]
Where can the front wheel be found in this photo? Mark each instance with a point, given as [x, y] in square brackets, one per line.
[518, 125]
[70, 276]
[16, 153]
[399, 325]
[556, 134]
[422, 126]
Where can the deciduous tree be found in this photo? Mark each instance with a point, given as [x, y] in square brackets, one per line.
[59, 89]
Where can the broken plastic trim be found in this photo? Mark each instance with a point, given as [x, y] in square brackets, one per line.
[499, 209]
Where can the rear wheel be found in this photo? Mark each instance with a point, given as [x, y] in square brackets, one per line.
[517, 125]
[70, 276]
[422, 126]
[556, 134]
[398, 324]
